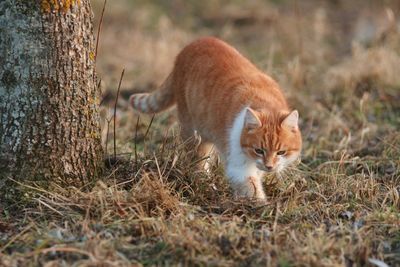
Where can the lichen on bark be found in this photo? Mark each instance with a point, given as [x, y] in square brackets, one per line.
[58, 5]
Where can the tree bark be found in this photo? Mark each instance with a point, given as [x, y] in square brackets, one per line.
[49, 121]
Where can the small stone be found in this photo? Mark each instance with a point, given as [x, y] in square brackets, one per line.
[346, 215]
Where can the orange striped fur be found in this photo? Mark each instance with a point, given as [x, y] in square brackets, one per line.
[234, 107]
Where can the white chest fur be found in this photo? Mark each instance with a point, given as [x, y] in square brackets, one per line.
[238, 165]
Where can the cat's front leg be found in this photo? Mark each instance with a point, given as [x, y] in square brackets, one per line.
[246, 184]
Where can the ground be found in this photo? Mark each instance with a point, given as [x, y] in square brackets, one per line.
[338, 64]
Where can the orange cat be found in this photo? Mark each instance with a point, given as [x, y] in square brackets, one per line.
[232, 105]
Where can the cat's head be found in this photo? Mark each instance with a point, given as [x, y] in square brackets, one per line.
[273, 141]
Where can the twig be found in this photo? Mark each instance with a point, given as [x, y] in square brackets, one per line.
[158, 169]
[136, 130]
[115, 114]
[274, 226]
[148, 128]
[55, 195]
[108, 132]
[50, 207]
[164, 143]
[99, 29]
[65, 249]
[16, 237]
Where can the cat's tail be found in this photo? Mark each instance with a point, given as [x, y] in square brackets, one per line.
[156, 101]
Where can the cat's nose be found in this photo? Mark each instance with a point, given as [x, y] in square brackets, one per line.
[269, 168]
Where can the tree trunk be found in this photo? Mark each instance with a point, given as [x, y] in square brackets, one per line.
[48, 96]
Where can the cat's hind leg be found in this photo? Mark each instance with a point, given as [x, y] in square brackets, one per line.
[194, 143]
[206, 152]
[203, 150]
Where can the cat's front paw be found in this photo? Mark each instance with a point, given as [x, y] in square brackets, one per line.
[260, 200]
[250, 188]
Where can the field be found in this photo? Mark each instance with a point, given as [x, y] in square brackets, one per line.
[338, 64]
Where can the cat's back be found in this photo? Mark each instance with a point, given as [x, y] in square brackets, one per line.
[210, 52]
[211, 69]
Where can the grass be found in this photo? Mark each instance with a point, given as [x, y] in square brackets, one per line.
[339, 207]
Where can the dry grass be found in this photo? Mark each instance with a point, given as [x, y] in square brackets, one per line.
[340, 207]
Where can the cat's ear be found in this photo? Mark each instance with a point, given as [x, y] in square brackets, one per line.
[291, 121]
[251, 120]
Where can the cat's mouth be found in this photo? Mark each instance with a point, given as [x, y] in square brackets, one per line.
[265, 168]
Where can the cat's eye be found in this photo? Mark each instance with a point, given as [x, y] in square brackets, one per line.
[259, 151]
[281, 152]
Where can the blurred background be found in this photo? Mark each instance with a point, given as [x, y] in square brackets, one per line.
[337, 61]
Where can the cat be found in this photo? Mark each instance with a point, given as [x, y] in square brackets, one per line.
[233, 106]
